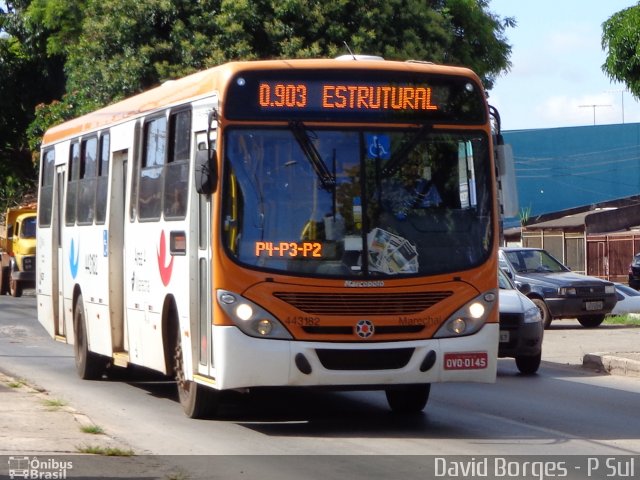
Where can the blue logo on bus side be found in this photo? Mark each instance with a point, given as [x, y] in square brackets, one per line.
[74, 262]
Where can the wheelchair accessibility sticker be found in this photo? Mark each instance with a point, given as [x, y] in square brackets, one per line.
[378, 146]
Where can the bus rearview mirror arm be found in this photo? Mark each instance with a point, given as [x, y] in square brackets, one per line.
[206, 167]
[206, 170]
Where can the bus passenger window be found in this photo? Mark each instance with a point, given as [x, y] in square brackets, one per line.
[72, 184]
[177, 169]
[45, 203]
[87, 183]
[153, 160]
[103, 179]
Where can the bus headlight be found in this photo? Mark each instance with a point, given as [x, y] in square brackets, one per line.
[470, 318]
[250, 318]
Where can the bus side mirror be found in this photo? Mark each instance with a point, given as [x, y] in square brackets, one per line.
[206, 170]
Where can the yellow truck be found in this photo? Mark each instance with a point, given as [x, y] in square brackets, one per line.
[18, 250]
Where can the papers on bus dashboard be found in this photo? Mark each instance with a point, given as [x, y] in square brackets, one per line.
[390, 253]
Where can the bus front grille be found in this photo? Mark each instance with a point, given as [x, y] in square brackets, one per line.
[348, 304]
[381, 359]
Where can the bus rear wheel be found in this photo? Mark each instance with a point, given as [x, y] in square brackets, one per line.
[408, 398]
[89, 365]
[197, 400]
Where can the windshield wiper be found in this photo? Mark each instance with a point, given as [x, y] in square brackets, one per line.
[311, 152]
[400, 156]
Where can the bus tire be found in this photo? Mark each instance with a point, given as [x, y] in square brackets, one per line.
[15, 287]
[408, 398]
[89, 365]
[5, 276]
[197, 400]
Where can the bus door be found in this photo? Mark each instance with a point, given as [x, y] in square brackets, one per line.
[115, 245]
[57, 290]
[201, 290]
[201, 295]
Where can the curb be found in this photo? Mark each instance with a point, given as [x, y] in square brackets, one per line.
[617, 364]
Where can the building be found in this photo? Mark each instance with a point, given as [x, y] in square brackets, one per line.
[579, 195]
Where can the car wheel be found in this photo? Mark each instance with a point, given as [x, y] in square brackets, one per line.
[544, 311]
[408, 398]
[528, 365]
[591, 321]
[15, 288]
[5, 276]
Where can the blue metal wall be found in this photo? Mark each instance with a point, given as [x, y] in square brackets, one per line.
[560, 168]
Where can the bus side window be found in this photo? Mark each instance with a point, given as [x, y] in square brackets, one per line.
[87, 183]
[45, 203]
[153, 160]
[177, 169]
[103, 183]
[72, 184]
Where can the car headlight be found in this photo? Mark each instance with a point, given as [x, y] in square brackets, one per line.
[470, 318]
[250, 318]
[566, 291]
[609, 289]
[532, 315]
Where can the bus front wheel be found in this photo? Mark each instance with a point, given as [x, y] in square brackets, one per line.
[408, 398]
[197, 400]
[89, 365]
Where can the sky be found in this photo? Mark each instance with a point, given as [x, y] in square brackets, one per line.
[556, 76]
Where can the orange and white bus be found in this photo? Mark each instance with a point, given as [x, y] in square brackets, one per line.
[278, 223]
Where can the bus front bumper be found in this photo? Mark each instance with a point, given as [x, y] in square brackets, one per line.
[240, 361]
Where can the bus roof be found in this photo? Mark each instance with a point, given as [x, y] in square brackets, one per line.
[205, 82]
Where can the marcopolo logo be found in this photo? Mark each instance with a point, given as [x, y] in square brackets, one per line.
[35, 468]
[363, 283]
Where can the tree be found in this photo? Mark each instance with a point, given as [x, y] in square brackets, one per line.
[111, 50]
[29, 76]
[459, 32]
[621, 40]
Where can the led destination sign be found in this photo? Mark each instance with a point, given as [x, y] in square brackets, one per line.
[279, 95]
[365, 95]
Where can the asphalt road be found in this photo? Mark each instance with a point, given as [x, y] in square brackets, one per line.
[563, 410]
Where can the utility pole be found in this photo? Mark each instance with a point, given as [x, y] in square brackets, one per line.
[621, 92]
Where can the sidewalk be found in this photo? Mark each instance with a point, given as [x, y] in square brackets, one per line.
[31, 421]
[623, 363]
[609, 349]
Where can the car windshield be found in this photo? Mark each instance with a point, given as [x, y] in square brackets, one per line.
[28, 228]
[503, 281]
[356, 202]
[534, 261]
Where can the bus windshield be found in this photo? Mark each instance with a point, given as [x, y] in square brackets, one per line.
[356, 203]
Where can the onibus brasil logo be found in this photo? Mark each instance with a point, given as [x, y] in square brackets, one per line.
[35, 468]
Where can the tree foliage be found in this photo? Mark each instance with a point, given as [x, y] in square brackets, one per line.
[621, 40]
[28, 76]
[63, 58]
